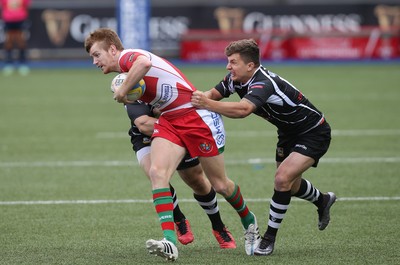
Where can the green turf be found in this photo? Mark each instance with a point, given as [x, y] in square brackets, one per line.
[64, 142]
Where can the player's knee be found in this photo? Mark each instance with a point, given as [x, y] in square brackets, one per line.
[201, 187]
[224, 188]
[157, 175]
[196, 180]
[282, 181]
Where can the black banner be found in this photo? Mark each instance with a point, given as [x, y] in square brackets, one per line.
[67, 28]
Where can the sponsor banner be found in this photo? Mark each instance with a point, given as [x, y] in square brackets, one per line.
[203, 50]
[209, 45]
[228, 21]
[345, 47]
[369, 43]
[64, 29]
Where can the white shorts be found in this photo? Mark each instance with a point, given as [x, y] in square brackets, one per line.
[142, 153]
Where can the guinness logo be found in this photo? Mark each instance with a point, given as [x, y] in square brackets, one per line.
[229, 18]
[388, 16]
[57, 25]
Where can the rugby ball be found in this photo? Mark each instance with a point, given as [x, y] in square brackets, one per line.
[136, 91]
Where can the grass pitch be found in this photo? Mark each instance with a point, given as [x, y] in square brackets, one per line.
[71, 191]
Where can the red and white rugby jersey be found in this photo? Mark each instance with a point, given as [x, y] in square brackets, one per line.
[167, 88]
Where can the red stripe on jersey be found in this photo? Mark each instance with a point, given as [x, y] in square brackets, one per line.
[151, 89]
[166, 86]
[126, 61]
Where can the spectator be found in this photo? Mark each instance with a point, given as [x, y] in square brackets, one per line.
[15, 14]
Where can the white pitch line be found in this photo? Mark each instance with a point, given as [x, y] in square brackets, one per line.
[71, 202]
[56, 202]
[267, 132]
[333, 160]
[366, 132]
[67, 163]
[352, 133]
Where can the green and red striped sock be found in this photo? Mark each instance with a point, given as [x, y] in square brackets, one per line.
[238, 203]
[162, 200]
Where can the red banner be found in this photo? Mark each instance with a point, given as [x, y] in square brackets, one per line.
[371, 43]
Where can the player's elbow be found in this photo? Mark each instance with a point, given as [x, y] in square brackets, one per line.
[145, 128]
[147, 65]
[146, 131]
[245, 108]
[144, 63]
[243, 113]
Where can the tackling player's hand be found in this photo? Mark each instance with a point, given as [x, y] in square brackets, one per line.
[199, 99]
[156, 112]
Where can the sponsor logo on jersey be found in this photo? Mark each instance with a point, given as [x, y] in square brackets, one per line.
[299, 96]
[131, 57]
[165, 96]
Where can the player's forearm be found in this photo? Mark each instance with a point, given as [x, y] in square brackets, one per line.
[213, 94]
[138, 70]
[228, 109]
[146, 126]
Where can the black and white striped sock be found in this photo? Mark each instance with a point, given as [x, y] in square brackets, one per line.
[178, 215]
[278, 207]
[210, 206]
[309, 193]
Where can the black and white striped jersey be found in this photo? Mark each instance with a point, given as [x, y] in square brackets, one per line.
[277, 101]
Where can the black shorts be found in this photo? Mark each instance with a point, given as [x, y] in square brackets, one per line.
[188, 162]
[140, 141]
[20, 25]
[314, 144]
